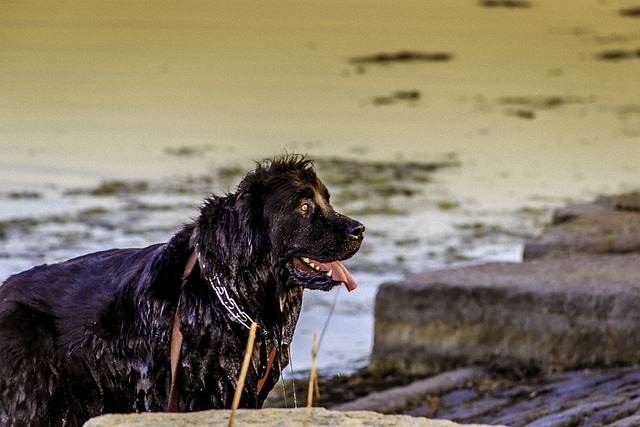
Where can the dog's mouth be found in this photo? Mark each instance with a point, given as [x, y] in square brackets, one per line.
[314, 274]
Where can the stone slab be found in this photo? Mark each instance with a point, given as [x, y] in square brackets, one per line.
[588, 232]
[609, 224]
[268, 418]
[551, 313]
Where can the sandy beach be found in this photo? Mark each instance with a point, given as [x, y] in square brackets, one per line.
[536, 102]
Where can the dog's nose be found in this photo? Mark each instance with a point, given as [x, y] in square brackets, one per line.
[356, 229]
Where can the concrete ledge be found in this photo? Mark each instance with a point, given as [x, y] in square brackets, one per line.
[268, 418]
[575, 311]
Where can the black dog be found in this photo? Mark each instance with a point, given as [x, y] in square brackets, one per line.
[92, 335]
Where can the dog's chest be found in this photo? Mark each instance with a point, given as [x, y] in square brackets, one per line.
[213, 350]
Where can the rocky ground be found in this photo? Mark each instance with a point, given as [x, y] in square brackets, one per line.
[577, 398]
[593, 397]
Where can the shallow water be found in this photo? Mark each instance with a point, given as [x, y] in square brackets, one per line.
[411, 225]
[171, 95]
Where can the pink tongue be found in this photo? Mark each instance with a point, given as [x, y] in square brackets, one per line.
[339, 273]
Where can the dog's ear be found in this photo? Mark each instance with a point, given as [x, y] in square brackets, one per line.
[250, 234]
[230, 230]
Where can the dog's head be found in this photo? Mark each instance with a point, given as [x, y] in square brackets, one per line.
[304, 231]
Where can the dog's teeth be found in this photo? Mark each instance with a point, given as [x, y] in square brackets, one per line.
[329, 273]
[312, 265]
[305, 259]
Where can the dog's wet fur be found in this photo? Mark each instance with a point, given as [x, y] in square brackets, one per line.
[91, 335]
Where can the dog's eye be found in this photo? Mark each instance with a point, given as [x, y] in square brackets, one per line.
[305, 207]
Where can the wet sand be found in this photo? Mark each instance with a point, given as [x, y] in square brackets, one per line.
[538, 103]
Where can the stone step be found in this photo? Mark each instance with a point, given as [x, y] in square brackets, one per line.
[568, 312]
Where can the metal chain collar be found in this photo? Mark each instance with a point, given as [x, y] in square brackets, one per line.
[229, 303]
[227, 300]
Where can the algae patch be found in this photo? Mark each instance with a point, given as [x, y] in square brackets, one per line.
[377, 188]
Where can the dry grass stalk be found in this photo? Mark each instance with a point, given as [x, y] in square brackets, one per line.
[243, 373]
[313, 379]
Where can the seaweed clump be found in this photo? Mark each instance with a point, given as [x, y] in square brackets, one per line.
[402, 57]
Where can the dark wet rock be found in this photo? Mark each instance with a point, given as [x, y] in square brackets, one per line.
[459, 397]
[573, 212]
[626, 201]
[571, 416]
[475, 408]
[395, 399]
[554, 400]
[632, 421]
[585, 398]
